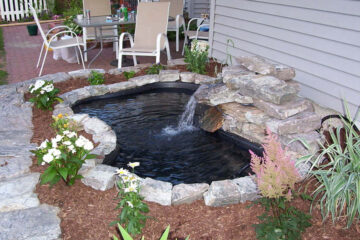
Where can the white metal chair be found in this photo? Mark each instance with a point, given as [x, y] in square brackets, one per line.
[99, 8]
[176, 12]
[196, 35]
[75, 41]
[150, 32]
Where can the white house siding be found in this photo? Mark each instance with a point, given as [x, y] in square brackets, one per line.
[320, 39]
[196, 7]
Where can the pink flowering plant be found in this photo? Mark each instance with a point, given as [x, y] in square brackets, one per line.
[44, 94]
[64, 156]
[276, 176]
[131, 203]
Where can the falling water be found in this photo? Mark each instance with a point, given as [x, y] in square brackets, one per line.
[186, 120]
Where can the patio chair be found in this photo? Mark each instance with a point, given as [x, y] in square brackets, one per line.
[176, 12]
[75, 41]
[196, 35]
[150, 32]
[99, 8]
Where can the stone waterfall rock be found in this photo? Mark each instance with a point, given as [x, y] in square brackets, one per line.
[169, 75]
[188, 193]
[212, 120]
[222, 193]
[266, 88]
[285, 110]
[292, 142]
[300, 123]
[156, 191]
[101, 177]
[187, 77]
[38, 223]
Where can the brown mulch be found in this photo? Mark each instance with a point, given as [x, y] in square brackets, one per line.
[86, 213]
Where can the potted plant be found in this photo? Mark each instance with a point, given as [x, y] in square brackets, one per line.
[32, 29]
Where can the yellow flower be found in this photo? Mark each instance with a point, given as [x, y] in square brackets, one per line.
[66, 125]
[59, 115]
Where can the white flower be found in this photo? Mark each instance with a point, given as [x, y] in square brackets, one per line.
[133, 164]
[88, 145]
[71, 134]
[55, 152]
[131, 188]
[122, 171]
[67, 143]
[48, 158]
[54, 143]
[42, 92]
[80, 142]
[72, 148]
[66, 132]
[48, 88]
[130, 204]
[38, 84]
[58, 138]
[43, 144]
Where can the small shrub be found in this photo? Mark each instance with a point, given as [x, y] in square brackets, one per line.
[339, 175]
[126, 236]
[96, 78]
[196, 58]
[154, 69]
[133, 207]
[276, 176]
[64, 156]
[44, 94]
[129, 75]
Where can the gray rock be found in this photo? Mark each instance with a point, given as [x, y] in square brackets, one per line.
[239, 81]
[104, 148]
[14, 138]
[76, 95]
[14, 166]
[253, 132]
[118, 71]
[63, 110]
[256, 116]
[95, 126]
[15, 151]
[187, 77]
[79, 117]
[101, 177]
[23, 87]
[84, 73]
[247, 188]
[169, 75]
[256, 64]
[285, 110]
[292, 142]
[188, 193]
[178, 61]
[17, 193]
[204, 79]
[156, 191]
[222, 193]
[87, 166]
[105, 137]
[300, 123]
[283, 72]
[97, 90]
[39, 223]
[146, 79]
[116, 87]
[231, 72]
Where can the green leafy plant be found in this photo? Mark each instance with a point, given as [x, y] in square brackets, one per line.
[131, 203]
[337, 171]
[44, 94]
[62, 124]
[126, 236]
[154, 69]
[64, 156]
[129, 75]
[196, 58]
[276, 176]
[96, 78]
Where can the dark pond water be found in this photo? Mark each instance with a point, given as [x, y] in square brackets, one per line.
[147, 131]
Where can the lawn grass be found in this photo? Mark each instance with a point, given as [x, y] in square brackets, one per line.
[3, 73]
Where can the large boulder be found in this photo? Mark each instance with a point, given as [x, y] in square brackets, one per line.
[101, 177]
[222, 193]
[188, 193]
[156, 191]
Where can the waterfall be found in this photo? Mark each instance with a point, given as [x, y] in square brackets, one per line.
[186, 120]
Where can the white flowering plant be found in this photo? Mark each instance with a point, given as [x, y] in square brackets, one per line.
[64, 155]
[131, 203]
[44, 94]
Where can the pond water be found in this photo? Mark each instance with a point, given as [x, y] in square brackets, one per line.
[149, 131]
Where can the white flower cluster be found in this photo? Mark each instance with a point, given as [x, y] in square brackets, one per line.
[63, 142]
[199, 45]
[42, 85]
[130, 180]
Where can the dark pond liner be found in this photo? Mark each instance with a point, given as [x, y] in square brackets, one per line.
[187, 88]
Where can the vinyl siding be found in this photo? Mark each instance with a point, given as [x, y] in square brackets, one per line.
[320, 39]
[196, 7]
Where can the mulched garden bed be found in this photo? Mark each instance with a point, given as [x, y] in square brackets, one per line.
[86, 213]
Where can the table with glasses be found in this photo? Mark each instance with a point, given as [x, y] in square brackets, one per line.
[98, 22]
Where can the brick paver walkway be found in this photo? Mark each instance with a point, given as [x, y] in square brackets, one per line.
[22, 52]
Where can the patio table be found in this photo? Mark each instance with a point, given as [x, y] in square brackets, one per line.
[98, 22]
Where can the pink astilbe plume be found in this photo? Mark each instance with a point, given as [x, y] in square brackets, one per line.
[275, 172]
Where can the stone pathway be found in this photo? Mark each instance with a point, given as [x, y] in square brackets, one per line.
[21, 214]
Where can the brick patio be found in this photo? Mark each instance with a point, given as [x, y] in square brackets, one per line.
[22, 52]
